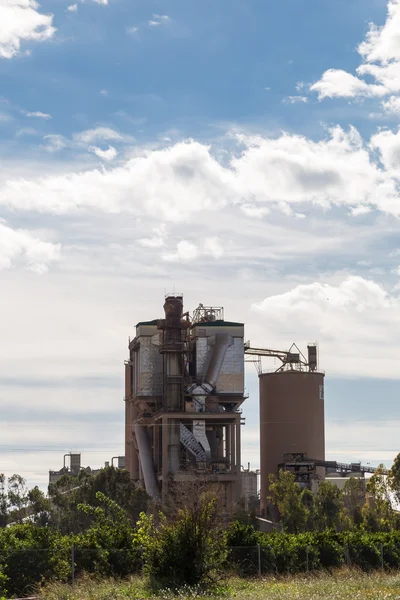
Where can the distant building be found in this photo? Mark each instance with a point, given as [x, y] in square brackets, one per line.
[75, 467]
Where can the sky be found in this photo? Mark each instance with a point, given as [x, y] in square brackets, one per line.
[245, 154]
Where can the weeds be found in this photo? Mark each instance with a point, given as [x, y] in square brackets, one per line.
[344, 584]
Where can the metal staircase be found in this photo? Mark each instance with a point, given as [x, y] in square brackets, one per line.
[191, 444]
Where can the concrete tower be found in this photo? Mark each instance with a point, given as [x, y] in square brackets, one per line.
[184, 385]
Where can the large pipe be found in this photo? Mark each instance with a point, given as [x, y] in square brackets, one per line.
[146, 461]
[222, 342]
[199, 392]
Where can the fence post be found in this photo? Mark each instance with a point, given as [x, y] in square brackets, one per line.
[259, 559]
[382, 563]
[307, 557]
[73, 564]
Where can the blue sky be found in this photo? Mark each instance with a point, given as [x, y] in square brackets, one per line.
[244, 153]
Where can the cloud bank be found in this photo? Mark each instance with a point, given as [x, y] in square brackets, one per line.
[380, 54]
[18, 246]
[356, 322]
[184, 179]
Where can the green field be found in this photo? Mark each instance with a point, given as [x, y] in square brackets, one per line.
[339, 586]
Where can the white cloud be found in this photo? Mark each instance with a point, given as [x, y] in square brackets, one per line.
[89, 136]
[293, 169]
[158, 20]
[20, 20]
[103, 92]
[392, 105]
[185, 252]
[37, 114]
[357, 211]
[356, 323]
[26, 131]
[296, 99]
[252, 210]
[72, 8]
[132, 29]
[157, 240]
[153, 183]
[336, 83]
[19, 246]
[380, 52]
[213, 247]
[383, 43]
[54, 142]
[388, 145]
[262, 174]
[108, 154]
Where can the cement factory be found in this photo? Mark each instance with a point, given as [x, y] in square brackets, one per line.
[184, 391]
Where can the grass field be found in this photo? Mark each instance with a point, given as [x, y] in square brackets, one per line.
[339, 586]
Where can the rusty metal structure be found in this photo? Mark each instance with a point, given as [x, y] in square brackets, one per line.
[292, 419]
[184, 386]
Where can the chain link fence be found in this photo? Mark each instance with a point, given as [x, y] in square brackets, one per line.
[263, 559]
[28, 567]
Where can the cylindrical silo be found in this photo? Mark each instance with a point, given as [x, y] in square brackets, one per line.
[291, 420]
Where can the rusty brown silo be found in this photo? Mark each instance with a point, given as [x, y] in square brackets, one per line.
[291, 420]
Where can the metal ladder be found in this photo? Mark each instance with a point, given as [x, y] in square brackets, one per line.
[191, 444]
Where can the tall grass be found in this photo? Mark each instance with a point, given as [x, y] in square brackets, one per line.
[345, 584]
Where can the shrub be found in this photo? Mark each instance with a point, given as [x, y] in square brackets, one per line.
[31, 554]
[185, 552]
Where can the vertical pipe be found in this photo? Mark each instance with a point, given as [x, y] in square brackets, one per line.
[233, 447]
[146, 460]
[164, 446]
[238, 485]
[238, 445]
[174, 446]
[259, 559]
[228, 445]
[128, 435]
[133, 453]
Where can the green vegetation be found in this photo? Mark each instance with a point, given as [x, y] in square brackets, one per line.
[342, 585]
[331, 508]
[104, 527]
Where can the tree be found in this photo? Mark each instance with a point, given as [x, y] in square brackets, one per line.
[3, 501]
[329, 507]
[394, 478]
[378, 513]
[39, 507]
[187, 549]
[354, 500]
[108, 546]
[17, 496]
[294, 504]
[70, 491]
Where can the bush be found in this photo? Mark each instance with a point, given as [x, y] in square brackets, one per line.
[30, 555]
[108, 547]
[185, 552]
[287, 553]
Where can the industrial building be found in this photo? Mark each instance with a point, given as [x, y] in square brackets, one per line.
[184, 390]
[184, 386]
[75, 466]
